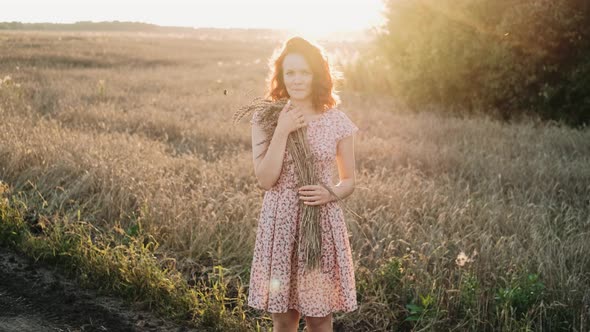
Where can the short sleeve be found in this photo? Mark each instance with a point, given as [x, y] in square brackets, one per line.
[255, 117]
[344, 126]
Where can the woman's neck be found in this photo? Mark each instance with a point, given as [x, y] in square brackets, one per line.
[306, 106]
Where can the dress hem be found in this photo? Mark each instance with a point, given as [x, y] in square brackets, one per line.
[302, 313]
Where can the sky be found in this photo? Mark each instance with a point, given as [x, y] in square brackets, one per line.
[312, 16]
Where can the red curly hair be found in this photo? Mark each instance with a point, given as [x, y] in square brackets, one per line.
[323, 95]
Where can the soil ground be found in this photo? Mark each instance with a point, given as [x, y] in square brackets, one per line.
[37, 297]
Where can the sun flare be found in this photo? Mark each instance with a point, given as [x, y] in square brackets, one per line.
[327, 17]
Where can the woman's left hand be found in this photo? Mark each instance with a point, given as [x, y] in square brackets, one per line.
[314, 195]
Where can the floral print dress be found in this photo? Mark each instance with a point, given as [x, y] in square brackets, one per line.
[277, 278]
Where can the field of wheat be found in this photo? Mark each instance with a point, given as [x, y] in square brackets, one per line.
[463, 222]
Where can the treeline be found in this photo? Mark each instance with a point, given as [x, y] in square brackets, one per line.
[121, 26]
[82, 26]
[510, 57]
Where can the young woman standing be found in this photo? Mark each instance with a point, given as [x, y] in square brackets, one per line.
[278, 282]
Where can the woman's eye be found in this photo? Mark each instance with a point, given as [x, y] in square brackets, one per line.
[303, 73]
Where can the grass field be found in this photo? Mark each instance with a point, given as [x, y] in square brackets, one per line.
[132, 134]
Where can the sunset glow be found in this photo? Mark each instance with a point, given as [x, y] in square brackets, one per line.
[312, 18]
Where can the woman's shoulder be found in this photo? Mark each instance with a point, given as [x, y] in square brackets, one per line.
[338, 113]
[334, 110]
[340, 122]
[256, 116]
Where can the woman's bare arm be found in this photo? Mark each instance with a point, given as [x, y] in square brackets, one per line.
[268, 166]
[345, 161]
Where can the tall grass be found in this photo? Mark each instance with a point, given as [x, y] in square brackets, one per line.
[155, 141]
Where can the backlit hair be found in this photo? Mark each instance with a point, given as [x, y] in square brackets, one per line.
[323, 95]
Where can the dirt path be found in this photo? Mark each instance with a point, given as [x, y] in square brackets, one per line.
[35, 297]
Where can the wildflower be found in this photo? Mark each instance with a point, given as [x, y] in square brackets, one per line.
[462, 259]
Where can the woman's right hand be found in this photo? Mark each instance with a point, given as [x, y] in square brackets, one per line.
[290, 119]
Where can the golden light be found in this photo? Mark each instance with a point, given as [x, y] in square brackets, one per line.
[317, 19]
[311, 18]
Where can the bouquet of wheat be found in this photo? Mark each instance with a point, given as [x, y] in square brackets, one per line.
[310, 240]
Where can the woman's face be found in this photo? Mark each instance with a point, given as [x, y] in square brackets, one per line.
[297, 76]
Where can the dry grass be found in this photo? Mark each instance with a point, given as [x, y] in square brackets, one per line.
[155, 139]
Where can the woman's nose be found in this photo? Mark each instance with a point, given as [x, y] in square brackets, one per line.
[298, 78]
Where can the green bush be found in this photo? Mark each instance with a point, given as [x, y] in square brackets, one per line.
[517, 298]
[495, 56]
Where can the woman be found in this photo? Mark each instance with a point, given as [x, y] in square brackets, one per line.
[278, 282]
